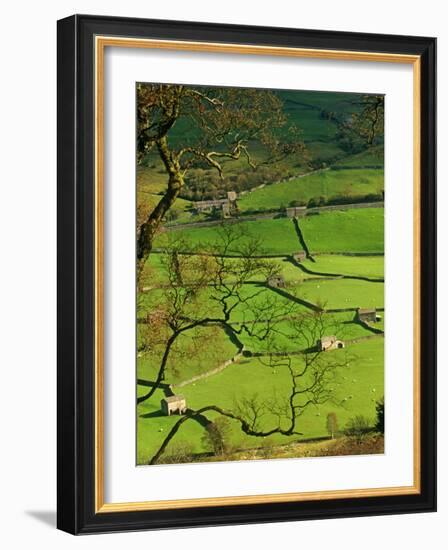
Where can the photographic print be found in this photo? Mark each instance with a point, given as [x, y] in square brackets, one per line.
[260, 274]
[222, 353]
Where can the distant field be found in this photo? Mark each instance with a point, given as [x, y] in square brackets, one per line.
[372, 157]
[355, 230]
[277, 236]
[342, 293]
[361, 266]
[326, 183]
[303, 108]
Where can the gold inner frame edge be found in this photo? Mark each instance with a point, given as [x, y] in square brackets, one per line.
[101, 42]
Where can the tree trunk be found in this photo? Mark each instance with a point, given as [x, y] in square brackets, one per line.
[149, 228]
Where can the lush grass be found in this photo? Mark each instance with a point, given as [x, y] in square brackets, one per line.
[276, 236]
[343, 293]
[153, 427]
[345, 327]
[360, 384]
[155, 273]
[354, 230]
[151, 179]
[326, 183]
[287, 335]
[191, 355]
[362, 266]
[180, 212]
[371, 157]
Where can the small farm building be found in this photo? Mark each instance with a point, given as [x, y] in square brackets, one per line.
[367, 315]
[227, 206]
[327, 343]
[300, 256]
[276, 281]
[173, 404]
[296, 211]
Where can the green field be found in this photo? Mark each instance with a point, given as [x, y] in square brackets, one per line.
[355, 230]
[331, 231]
[372, 157]
[303, 109]
[325, 183]
[360, 384]
[255, 321]
[358, 266]
[343, 293]
[276, 236]
[191, 355]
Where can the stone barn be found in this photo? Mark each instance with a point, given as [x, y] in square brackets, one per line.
[276, 281]
[208, 206]
[367, 315]
[296, 211]
[327, 343]
[299, 256]
[173, 404]
[227, 206]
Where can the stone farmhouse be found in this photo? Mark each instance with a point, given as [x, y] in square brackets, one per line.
[367, 315]
[299, 256]
[327, 343]
[227, 206]
[296, 211]
[173, 404]
[276, 281]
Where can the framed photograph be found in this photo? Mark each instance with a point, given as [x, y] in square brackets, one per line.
[246, 271]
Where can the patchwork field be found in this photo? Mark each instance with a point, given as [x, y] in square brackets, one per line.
[361, 384]
[345, 231]
[328, 282]
[329, 184]
[235, 307]
[276, 236]
[358, 266]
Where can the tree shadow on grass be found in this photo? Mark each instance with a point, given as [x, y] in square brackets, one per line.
[154, 414]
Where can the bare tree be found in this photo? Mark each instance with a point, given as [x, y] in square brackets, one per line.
[223, 124]
[314, 377]
[332, 424]
[205, 289]
[364, 127]
[369, 121]
[216, 435]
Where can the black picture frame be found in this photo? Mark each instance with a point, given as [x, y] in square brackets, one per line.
[76, 286]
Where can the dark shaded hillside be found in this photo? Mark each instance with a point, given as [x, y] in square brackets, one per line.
[318, 115]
